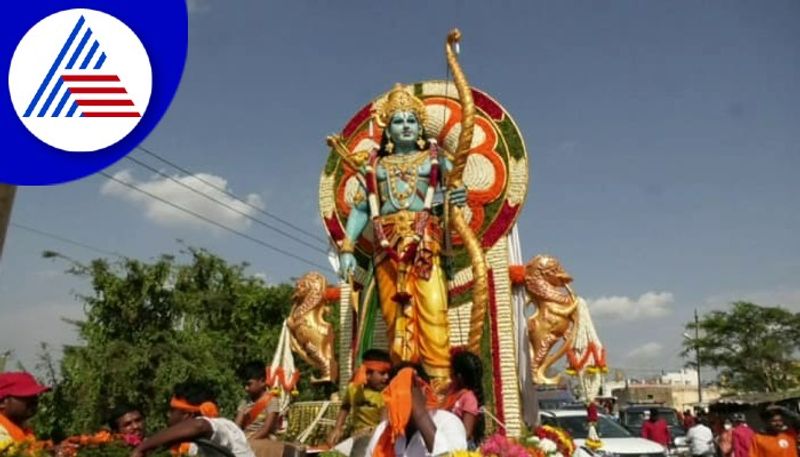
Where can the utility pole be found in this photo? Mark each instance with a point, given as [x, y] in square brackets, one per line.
[697, 356]
[7, 192]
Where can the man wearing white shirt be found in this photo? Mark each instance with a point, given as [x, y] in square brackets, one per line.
[414, 427]
[449, 436]
[700, 440]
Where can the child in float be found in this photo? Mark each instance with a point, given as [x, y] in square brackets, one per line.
[465, 395]
[414, 424]
[193, 415]
[364, 401]
[258, 415]
[19, 399]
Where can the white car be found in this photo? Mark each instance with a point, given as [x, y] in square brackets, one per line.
[617, 441]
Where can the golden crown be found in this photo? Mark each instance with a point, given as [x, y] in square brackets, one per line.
[398, 99]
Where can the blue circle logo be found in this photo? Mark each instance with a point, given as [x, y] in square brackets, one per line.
[86, 83]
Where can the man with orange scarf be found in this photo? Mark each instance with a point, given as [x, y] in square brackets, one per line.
[193, 416]
[364, 400]
[414, 427]
[19, 398]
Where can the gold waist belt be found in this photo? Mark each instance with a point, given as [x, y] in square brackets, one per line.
[403, 224]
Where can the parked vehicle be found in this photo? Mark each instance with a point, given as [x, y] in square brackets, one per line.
[550, 399]
[632, 417]
[617, 441]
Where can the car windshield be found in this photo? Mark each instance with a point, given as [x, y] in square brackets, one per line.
[670, 416]
[636, 418]
[579, 428]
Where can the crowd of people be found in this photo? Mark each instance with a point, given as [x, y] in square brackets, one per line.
[393, 411]
[736, 438]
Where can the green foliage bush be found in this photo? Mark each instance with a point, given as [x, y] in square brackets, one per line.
[149, 326]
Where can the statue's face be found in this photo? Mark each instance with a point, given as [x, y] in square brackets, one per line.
[404, 128]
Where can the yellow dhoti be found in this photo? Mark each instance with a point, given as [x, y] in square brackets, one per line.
[418, 329]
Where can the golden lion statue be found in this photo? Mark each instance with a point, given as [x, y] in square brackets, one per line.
[312, 336]
[547, 284]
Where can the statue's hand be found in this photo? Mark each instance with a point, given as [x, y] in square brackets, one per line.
[458, 196]
[347, 265]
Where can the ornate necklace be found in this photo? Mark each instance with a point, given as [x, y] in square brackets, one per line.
[403, 169]
[374, 207]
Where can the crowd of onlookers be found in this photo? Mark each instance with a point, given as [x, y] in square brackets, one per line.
[736, 438]
[393, 410]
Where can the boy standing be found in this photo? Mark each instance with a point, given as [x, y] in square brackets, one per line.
[193, 415]
[363, 398]
[259, 415]
[19, 399]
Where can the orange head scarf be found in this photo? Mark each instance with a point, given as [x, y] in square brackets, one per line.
[360, 378]
[18, 434]
[398, 399]
[206, 409]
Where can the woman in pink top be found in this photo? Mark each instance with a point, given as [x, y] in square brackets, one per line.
[465, 396]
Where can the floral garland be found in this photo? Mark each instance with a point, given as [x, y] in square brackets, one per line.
[546, 441]
[548, 436]
[499, 445]
[278, 380]
[27, 447]
[70, 447]
[372, 196]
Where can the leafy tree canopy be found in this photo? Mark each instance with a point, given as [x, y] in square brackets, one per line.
[149, 326]
[755, 348]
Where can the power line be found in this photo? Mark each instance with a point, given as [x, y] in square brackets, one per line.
[232, 195]
[66, 240]
[215, 223]
[220, 202]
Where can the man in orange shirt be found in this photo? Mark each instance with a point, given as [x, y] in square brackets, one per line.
[19, 398]
[780, 439]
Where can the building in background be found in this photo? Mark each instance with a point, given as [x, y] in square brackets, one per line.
[674, 389]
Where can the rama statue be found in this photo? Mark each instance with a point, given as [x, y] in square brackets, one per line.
[399, 183]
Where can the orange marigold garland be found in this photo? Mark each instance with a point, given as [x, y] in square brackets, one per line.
[546, 441]
[72, 445]
[553, 441]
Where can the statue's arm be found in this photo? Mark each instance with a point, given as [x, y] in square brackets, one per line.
[457, 196]
[356, 222]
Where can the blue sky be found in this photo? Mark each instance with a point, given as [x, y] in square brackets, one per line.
[663, 141]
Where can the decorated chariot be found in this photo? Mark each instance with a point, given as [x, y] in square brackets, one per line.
[419, 195]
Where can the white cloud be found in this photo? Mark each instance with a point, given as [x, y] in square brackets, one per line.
[177, 194]
[648, 305]
[645, 353]
[264, 277]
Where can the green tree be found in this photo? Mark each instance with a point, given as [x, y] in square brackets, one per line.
[149, 326]
[755, 348]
